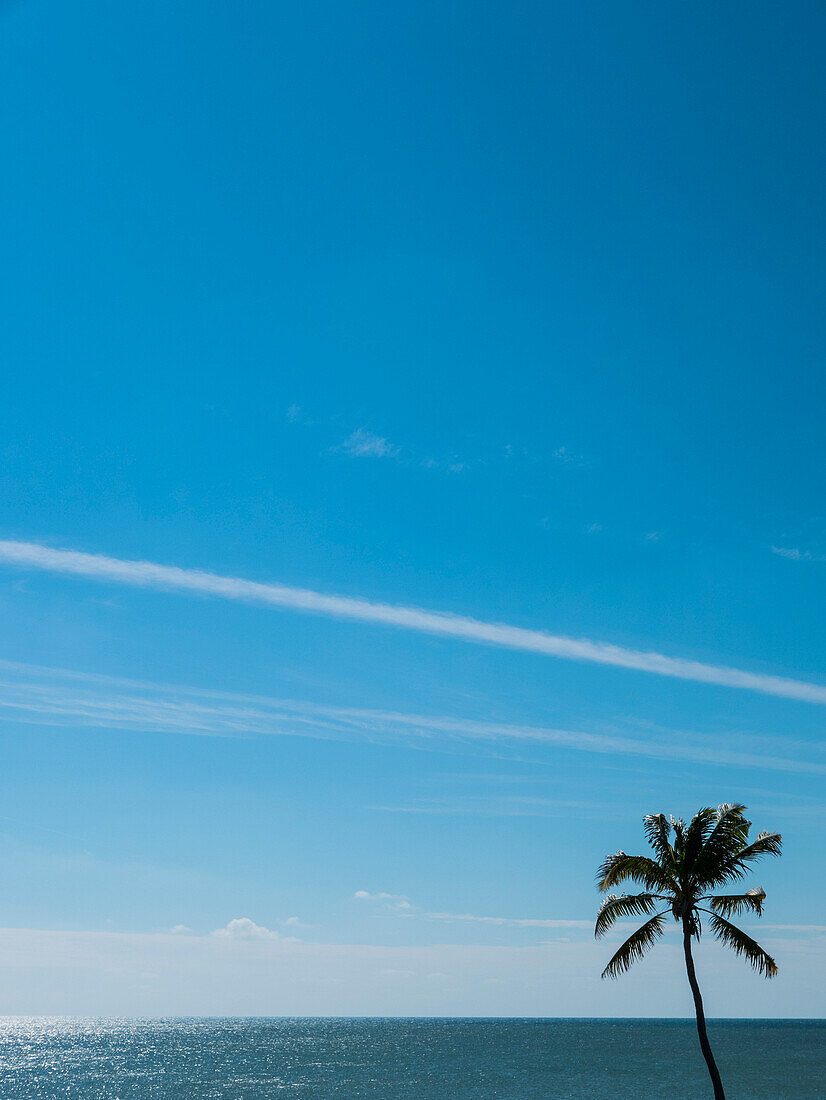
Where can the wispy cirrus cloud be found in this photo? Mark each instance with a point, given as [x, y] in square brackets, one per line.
[62, 697]
[146, 574]
[573, 925]
[507, 805]
[801, 929]
[513, 922]
[401, 904]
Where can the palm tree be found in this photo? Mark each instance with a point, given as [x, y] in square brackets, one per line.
[712, 850]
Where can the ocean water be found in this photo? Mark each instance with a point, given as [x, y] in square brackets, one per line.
[443, 1059]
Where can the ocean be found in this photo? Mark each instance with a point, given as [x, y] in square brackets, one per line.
[46, 1058]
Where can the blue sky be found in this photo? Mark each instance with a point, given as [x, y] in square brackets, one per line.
[505, 312]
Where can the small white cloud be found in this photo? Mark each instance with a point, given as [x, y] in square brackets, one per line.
[562, 454]
[793, 554]
[787, 552]
[294, 412]
[291, 922]
[364, 444]
[180, 930]
[242, 928]
[396, 902]
[446, 466]
[400, 973]
[593, 528]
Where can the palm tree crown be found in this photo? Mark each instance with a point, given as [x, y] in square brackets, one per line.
[682, 878]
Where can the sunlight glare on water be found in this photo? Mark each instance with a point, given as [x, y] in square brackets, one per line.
[46, 1058]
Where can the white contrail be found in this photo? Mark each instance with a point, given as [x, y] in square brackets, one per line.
[147, 574]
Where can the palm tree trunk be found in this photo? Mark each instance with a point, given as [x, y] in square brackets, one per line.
[701, 1019]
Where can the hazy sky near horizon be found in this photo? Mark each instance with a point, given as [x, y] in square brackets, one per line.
[412, 474]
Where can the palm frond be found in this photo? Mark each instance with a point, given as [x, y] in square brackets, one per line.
[621, 867]
[699, 830]
[731, 814]
[737, 863]
[678, 825]
[717, 862]
[765, 844]
[743, 945]
[657, 829]
[635, 947]
[730, 831]
[730, 904]
[629, 905]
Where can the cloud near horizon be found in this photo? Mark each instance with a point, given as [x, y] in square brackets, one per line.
[145, 574]
[242, 928]
[54, 972]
